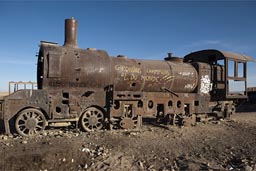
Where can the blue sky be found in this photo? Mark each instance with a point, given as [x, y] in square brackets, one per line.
[137, 29]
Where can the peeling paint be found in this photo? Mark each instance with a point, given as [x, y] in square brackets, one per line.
[186, 73]
[189, 86]
[206, 85]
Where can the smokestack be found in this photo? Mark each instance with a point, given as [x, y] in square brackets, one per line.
[71, 33]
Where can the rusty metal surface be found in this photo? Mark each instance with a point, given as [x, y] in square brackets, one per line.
[70, 69]
[237, 56]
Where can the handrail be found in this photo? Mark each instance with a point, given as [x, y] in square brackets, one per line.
[21, 85]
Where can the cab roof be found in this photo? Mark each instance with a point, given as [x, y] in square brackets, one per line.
[212, 54]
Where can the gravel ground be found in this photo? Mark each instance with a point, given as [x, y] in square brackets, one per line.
[218, 145]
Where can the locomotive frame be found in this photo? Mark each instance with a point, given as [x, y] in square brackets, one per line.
[91, 89]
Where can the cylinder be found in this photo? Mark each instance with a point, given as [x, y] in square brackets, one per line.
[71, 33]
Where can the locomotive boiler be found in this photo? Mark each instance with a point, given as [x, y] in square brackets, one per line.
[93, 90]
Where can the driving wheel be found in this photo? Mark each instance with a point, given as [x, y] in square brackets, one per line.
[92, 119]
[30, 122]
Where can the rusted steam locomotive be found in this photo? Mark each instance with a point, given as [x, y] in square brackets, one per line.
[89, 88]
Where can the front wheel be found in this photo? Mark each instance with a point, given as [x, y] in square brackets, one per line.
[30, 122]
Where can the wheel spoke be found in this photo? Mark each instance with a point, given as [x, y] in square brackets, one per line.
[37, 117]
[24, 116]
[30, 132]
[21, 121]
[85, 119]
[33, 115]
[20, 125]
[28, 114]
[38, 126]
[36, 131]
[23, 128]
[39, 122]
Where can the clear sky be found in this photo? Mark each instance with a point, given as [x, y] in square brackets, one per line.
[137, 29]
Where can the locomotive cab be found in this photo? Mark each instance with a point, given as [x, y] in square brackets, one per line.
[228, 73]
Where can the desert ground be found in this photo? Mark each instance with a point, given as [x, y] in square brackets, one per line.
[2, 94]
[214, 146]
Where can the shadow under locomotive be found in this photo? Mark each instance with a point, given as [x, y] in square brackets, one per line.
[90, 89]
